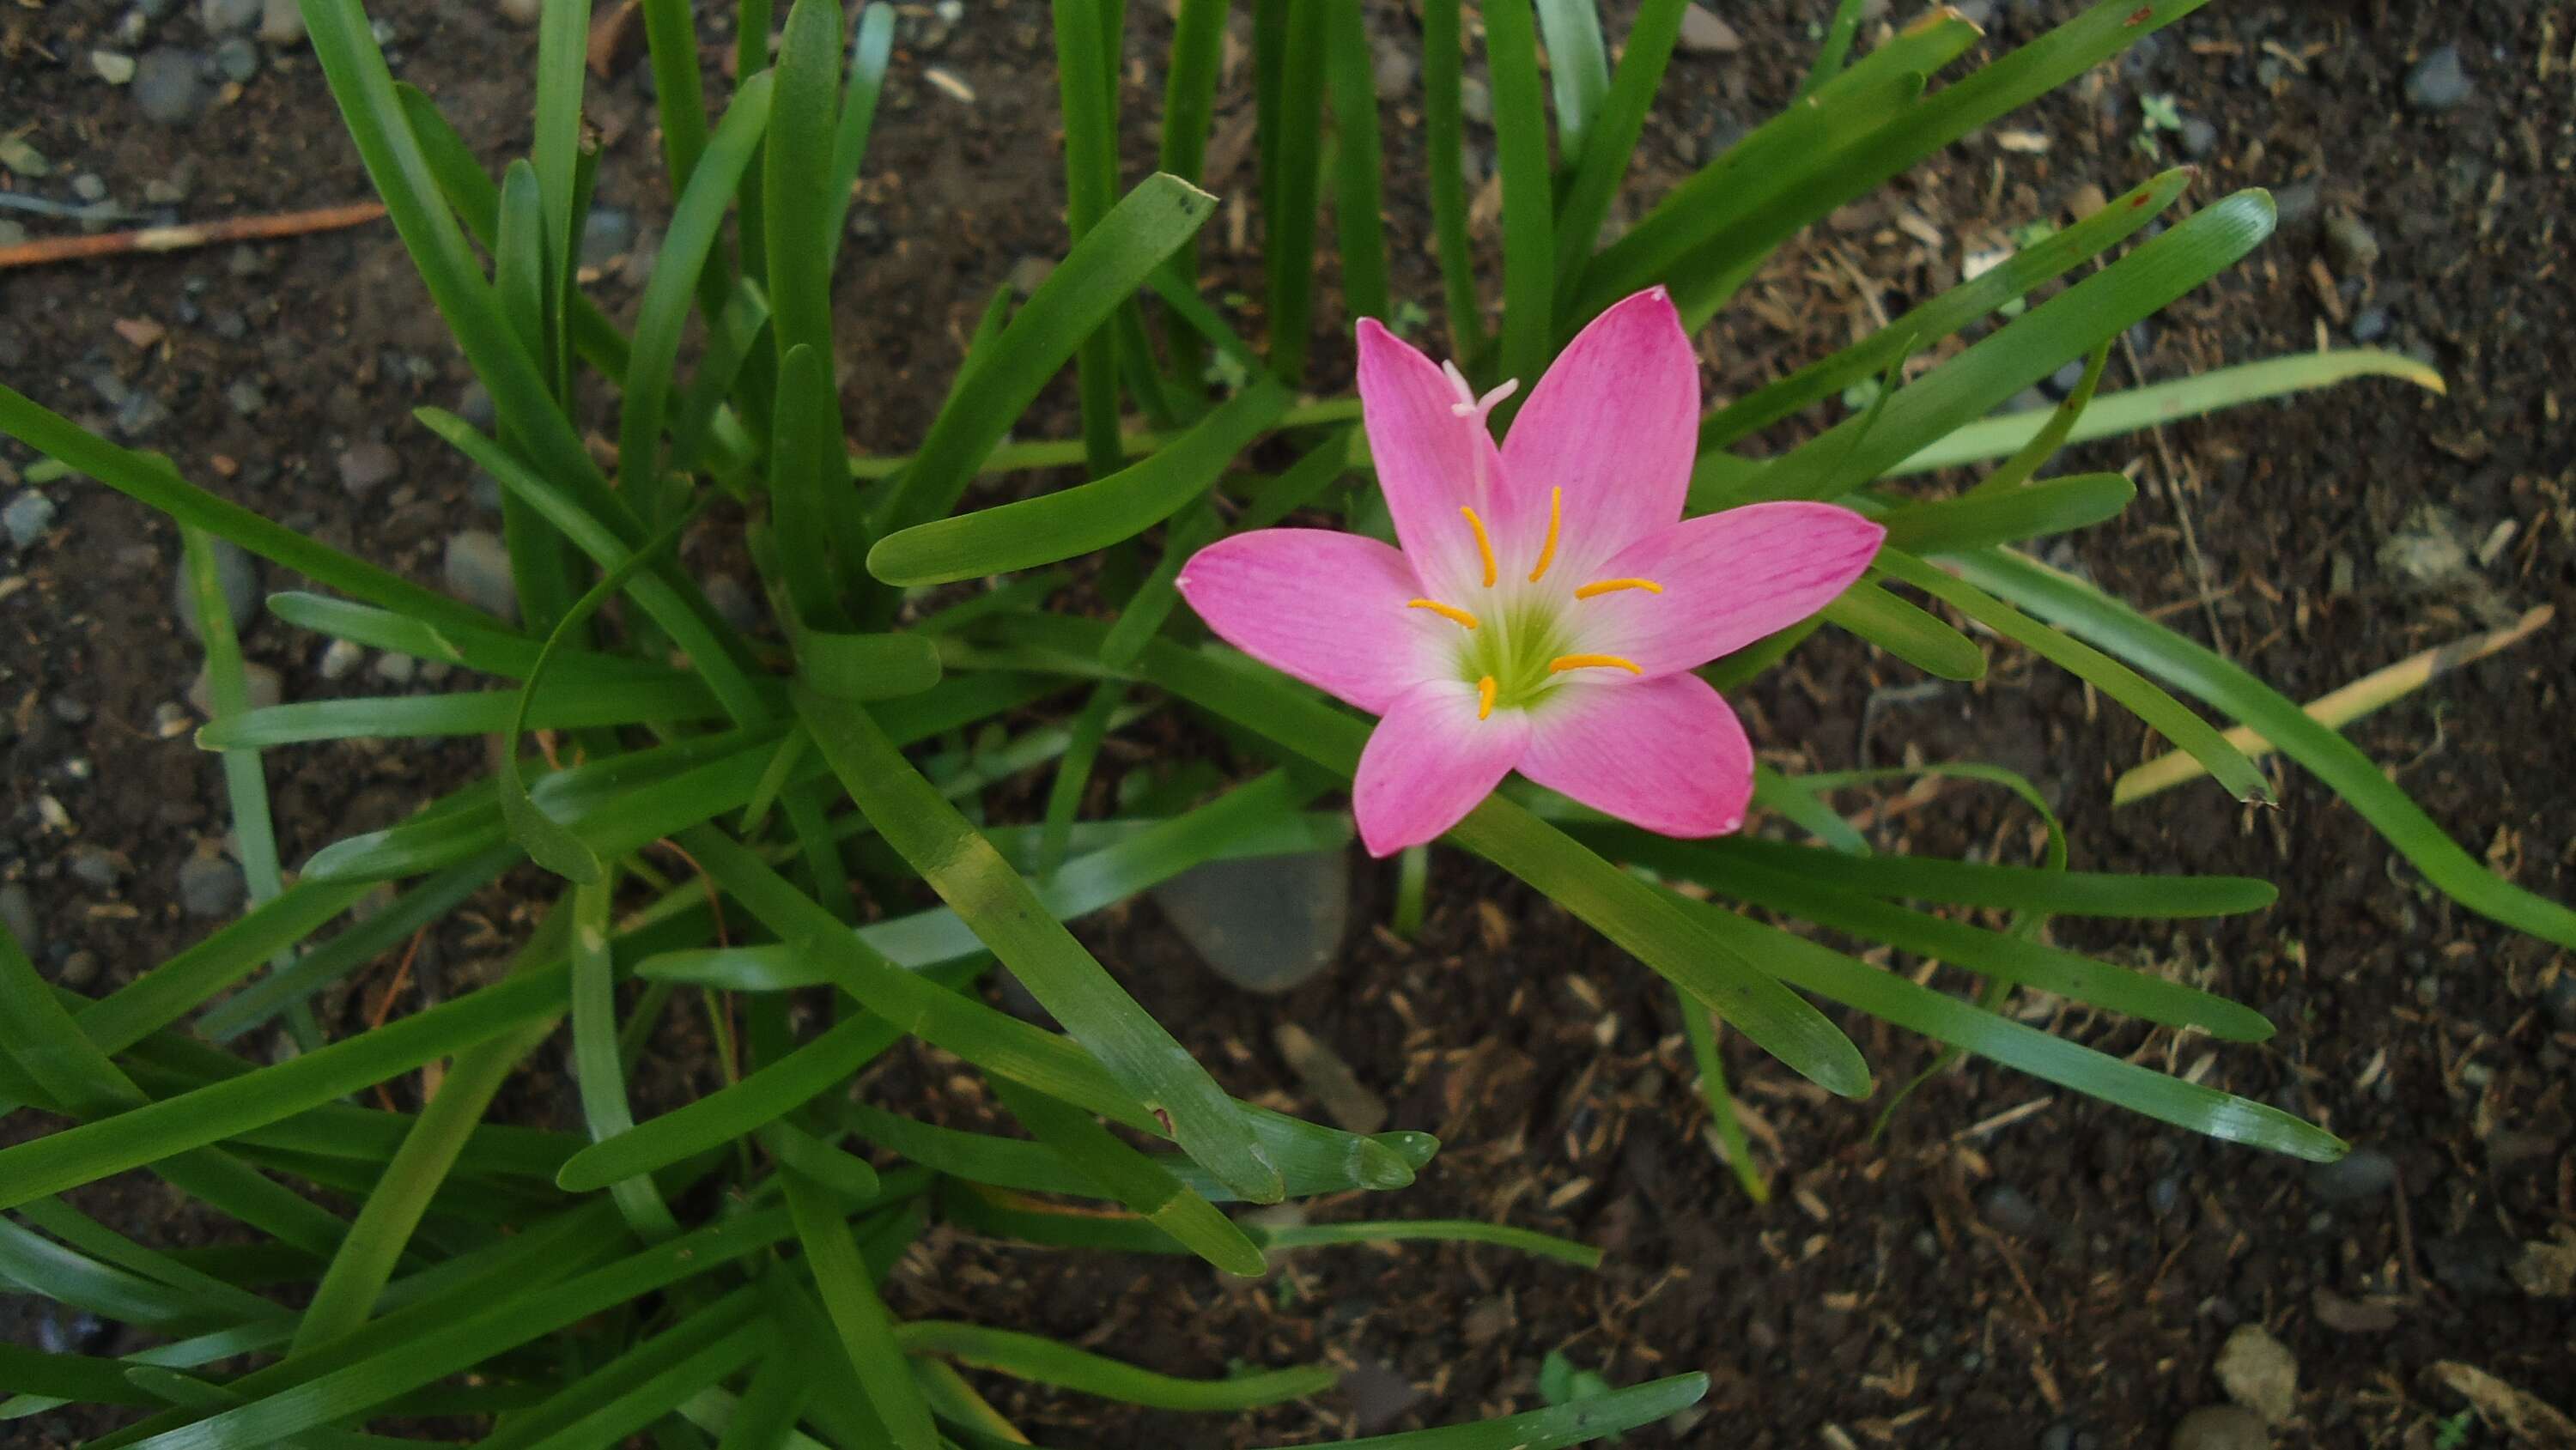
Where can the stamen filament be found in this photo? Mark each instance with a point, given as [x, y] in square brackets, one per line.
[1562, 663]
[1613, 586]
[1555, 522]
[1485, 697]
[1484, 544]
[1445, 611]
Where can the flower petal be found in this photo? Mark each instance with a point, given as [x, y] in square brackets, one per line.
[1727, 579]
[1615, 423]
[1429, 762]
[1664, 754]
[1431, 461]
[1326, 607]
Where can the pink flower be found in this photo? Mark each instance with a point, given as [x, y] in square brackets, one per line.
[1550, 601]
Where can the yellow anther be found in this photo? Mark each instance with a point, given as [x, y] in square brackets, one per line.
[1485, 697]
[1613, 586]
[1445, 611]
[1555, 521]
[1484, 543]
[1562, 663]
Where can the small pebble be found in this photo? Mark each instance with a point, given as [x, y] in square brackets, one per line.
[475, 406]
[2439, 82]
[340, 658]
[605, 235]
[2221, 1427]
[18, 914]
[2350, 243]
[2010, 1209]
[234, 574]
[2199, 138]
[2560, 1000]
[77, 971]
[2062, 383]
[477, 570]
[733, 603]
[2370, 325]
[114, 67]
[2360, 1174]
[366, 467]
[27, 518]
[245, 397]
[2259, 1372]
[223, 17]
[2296, 202]
[67, 710]
[89, 186]
[237, 60]
[261, 688]
[281, 22]
[1475, 101]
[211, 886]
[170, 720]
[168, 87]
[95, 867]
[1703, 33]
[396, 669]
[1392, 68]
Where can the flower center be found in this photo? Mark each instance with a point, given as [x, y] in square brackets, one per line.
[1515, 640]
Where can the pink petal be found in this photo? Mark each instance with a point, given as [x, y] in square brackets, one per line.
[1429, 762]
[1431, 461]
[1615, 423]
[1326, 607]
[1728, 579]
[1664, 754]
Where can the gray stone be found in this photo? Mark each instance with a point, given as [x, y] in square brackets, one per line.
[1476, 100]
[2296, 202]
[67, 710]
[1703, 33]
[475, 406]
[2350, 243]
[366, 467]
[90, 186]
[18, 914]
[733, 603]
[94, 867]
[605, 235]
[2560, 999]
[114, 67]
[169, 88]
[340, 658]
[1378, 1396]
[211, 886]
[2063, 382]
[281, 22]
[396, 669]
[2370, 325]
[1267, 924]
[27, 518]
[2360, 1174]
[1028, 274]
[234, 574]
[1392, 67]
[477, 570]
[2199, 138]
[2221, 1427]
[2439, 82]
[78, 970]
[11, 233]
[224, 17]
[2260, 1373]
[245, 397]
[237, 59]
[2010, 1209]
[261, 688]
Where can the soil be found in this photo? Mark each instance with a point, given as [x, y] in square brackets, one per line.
[2008, 1264]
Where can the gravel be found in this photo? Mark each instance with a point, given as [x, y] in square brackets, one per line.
[18, 914]
[2221, 1427]
[237, 59]
[2360, 1174]
[211, 886]
[2439, 82]
[477, 570]
[366, 467]
[27, 518]
[234, 573]
[169, 86]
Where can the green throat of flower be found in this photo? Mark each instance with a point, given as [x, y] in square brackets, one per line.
[1514, 642]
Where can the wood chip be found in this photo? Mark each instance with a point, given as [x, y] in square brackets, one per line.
[950, 85]
[2354, 1316]
[141, 332]
[2524, 1416]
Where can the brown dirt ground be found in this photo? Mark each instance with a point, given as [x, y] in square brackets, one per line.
[1876, 1300]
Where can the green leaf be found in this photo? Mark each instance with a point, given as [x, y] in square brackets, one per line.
[802, 235]
[1578, 71]
[2043, 445]
[975, 882]
[2019, 354]
[1575, 1423]
[2227, 765]
[1977, 883]
[1529, 202]
[866, 1331]
[1444, 129]
[1603, 163]
[1135, 1180]
[1949, 312]
[563, 704]
[2118, 413]
[1911, 634]
[870, 48]
[1291, 149]
[866, 666]
[1087, 89]
[1351, 83]
[805, 454]
[1975, 520]
[1110, 262]
[2084, 611]
[1052, 1362]
[1076, 521]
[714, 173]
